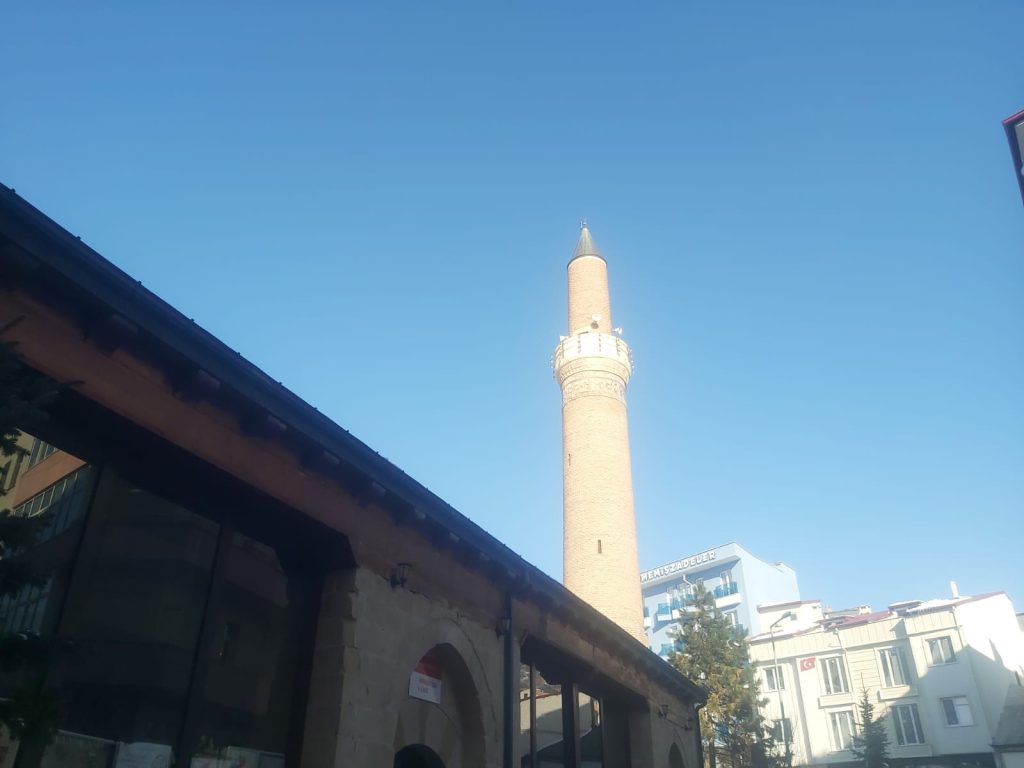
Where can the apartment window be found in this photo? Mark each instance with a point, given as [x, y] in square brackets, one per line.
[940, 651]
[726, 578]
[782, 731]
[843, 729]
[732, 619]
[957, 711]
[894, 668]
[40, 450]
[774, 680]
[835, 675]
[907, 722]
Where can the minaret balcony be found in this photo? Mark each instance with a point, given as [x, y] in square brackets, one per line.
[593, 344]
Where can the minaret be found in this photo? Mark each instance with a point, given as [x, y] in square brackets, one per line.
[593, 365]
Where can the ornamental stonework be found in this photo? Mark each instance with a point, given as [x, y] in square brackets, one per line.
[599, 386]
[592, 365]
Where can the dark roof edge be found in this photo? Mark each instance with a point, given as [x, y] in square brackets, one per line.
[1009, 125]
[91, 272]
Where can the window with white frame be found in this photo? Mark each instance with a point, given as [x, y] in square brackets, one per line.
[957, 711]
[726, 578]
[782, 732]
[774, 680]
[843, 729]
[940, 651]
[907, 722]
[834, 672]
[894, 667]
[731, 617]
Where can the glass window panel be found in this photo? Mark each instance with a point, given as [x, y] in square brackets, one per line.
[782, 732]
[253, 662]
[842, 729]
[525, 759]
[950, 710]
[550, 748]
[940, 650]
[39, 494]
[136, 624]
[907, 723]
[591, 733]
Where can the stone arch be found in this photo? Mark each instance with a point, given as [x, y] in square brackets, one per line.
[675, 757]
[452, 729]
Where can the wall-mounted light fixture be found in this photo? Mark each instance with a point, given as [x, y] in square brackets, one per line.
[400, 575]
[663, 711]
[503, 627]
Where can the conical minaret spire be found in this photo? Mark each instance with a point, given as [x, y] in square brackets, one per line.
[593, 366]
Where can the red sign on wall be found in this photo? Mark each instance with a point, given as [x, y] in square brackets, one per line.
[425, 680]
[808, 663]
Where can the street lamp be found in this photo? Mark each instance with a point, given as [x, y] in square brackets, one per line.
[778, 688]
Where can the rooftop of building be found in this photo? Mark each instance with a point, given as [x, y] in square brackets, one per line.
[765, 607]
[729, 552]
[834, 620]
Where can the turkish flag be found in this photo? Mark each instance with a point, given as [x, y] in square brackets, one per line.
[807, 663]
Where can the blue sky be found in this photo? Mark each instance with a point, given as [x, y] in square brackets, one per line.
[809, 212]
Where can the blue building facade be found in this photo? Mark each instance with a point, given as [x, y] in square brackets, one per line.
[739, 581]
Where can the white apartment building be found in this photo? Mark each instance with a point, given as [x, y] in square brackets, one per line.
[942, 674]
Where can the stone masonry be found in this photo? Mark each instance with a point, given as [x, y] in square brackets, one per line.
[592, 366]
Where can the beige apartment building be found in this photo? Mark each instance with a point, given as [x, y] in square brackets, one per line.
[941, 673]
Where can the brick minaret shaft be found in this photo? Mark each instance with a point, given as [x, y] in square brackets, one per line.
[592, 366]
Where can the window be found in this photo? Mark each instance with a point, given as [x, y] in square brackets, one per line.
[774, 680]
[732, 619]
[940, 651]
[907, 722]
[835, 675]
[894, 669]
[782, 731]
[843, 729]
[726, 578]
[957, 711]
[40, 450]
[591, 741]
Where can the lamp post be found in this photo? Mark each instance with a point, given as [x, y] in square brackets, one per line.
[778, 687]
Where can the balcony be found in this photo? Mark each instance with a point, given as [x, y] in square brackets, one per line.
[663, 613]
[725, 590]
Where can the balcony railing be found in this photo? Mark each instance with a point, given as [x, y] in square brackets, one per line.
[726, 589]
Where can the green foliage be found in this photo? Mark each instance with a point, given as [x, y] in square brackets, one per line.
[713, 653]
[871, 744]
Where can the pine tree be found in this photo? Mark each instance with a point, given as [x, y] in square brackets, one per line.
[712, 652]
[871, 744]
